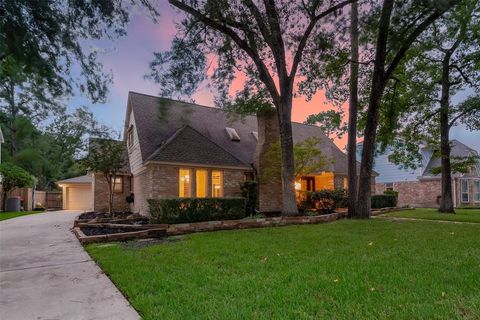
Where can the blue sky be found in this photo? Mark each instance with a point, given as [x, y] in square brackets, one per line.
[127, 59]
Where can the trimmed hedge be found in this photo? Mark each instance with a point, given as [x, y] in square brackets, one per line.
[184, 210]
[384, 201]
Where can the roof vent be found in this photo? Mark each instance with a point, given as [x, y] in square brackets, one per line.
[232, 133]
[255, 135]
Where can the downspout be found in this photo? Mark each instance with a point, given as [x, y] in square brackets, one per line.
[454, 193]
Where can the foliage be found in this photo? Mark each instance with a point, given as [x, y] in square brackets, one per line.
[249, 191]
[14, 177]
[184, 210]
[325, 201]
[368, 269]
[384, 201]
[460, 164]
[330, 121]
[44, 40]
[106, 157]
[307, 154]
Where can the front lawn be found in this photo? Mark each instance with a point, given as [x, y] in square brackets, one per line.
[9, 215]
[349, 269]
[462, 215]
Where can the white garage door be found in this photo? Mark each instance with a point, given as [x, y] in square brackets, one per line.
[79, 198]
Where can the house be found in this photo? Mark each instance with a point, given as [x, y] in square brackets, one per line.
[179, 149]
[421, 187]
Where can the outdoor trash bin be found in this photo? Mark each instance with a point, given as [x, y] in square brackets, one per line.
[13, 204]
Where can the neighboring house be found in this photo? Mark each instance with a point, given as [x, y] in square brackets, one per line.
[178, 149]
[422, 188]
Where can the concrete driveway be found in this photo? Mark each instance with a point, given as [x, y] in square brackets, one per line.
[46, 274]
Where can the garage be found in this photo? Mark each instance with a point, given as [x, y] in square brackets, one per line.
[77, 193]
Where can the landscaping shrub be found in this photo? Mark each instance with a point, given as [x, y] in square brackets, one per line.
[324, 201]
[183, 210]
[249, 191]
[384, 201]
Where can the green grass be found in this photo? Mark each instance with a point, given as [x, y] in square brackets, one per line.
[10, 215]
[349, 269]
[462, 215]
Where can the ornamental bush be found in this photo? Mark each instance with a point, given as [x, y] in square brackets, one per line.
[249, 191]
[384, 201]
[325, 201]
[184, 210]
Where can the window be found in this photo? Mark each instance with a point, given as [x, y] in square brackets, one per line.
[345, 183]
[476, 190]
[248, 176]
[217, 184]
[184, 183]
[201, 182]
[118, 184]
[464, 190]
[130, 136]
[389, 186]
[308, 183]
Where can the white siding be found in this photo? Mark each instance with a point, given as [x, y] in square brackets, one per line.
[134, 153]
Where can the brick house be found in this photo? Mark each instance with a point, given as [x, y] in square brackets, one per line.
[178, 149]
[422, 188]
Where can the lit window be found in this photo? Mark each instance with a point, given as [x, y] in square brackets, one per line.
[217, 184]
[476, 190]
[464, 190]
[118, 184]
[345, 183]
[184, 183]
[201, 183]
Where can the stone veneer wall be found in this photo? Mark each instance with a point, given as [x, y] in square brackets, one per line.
[100, 200]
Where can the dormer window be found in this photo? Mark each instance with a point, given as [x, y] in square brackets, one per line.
[130, 136]
[232, 134]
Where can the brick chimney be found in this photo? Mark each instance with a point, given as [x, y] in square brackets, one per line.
[269, 190]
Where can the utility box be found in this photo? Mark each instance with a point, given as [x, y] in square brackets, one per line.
[13, 204]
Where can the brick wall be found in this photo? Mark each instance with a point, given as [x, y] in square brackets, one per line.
[269, 189]
[100, 199]
[415, 193]
[161, 181]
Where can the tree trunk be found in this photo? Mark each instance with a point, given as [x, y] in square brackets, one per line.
[446, 202]
[376, 93]
[110, 192]
[352, 114]
[284, 112]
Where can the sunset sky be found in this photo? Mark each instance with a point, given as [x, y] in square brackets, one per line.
[128, 58]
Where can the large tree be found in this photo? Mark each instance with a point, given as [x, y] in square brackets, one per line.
[44, 39]
[399, 26]
[265, 41]
[445, 63]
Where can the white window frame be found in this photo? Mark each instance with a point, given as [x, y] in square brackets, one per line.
[462, 192]
[389, 185]
[476, 190]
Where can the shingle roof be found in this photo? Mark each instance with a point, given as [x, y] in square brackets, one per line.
[191, 146]
[80, 179]
[158, 119]
[458, 150]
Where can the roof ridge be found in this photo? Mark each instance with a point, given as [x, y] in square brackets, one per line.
[214, 108]
[166, 142]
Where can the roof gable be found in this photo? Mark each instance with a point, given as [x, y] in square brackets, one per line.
[188, 145]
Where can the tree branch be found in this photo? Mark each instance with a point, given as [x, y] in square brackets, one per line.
[413, 36]
[252, 53]
[303, 41]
